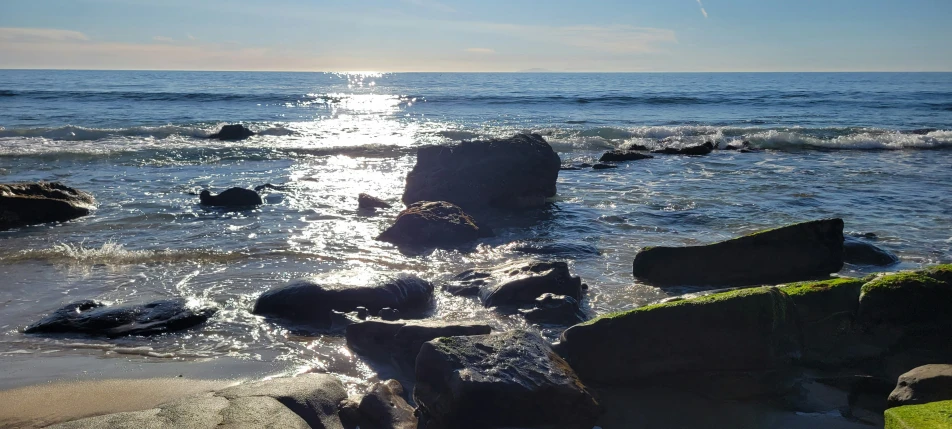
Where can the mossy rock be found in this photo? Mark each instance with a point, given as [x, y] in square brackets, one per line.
[934, 415]
[827, 310]
[746, 332]
[908, 298]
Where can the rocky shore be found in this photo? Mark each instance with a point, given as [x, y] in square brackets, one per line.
[777, 338]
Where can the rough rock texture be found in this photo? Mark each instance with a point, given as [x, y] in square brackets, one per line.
[623, 155]
[305, 301]
[797, 252]
[934, 415]
[306, 401]
[433, 224]
[738, 344]
[701, 149]
[232, 132]
[368, 202]
[234, 197]
[384, 408]
[909, 299]
[827, 310]
[503, 380]
[400, 342]
[928, 383]
[860, 252]
[95, 318]
[517, 283]
[24, 204]
[517, 172]
[554, 309]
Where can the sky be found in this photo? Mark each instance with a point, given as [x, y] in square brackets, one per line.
[485, 35]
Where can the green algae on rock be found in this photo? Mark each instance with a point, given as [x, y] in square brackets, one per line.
[934, 415]
[826, 310]
[912, 297]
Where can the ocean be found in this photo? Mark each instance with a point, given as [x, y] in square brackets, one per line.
[872, 148]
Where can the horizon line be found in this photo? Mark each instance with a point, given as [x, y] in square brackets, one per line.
[528, 71]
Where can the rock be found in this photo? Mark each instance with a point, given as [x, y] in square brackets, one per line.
[623, 155]
[389, 314]
[400, 342]
[562, 249]
[234, 197]
[501, 380]
[827, 310]
[736, 344]
[268, 186]
[702, 149]
[859, 252]
[934, 415]
[740, 146]
[911, 300]
[929, 383]
[232, 132]
[306, 401]
[517, 283]
[601, 166]
[306, 301]
[518, 172]
[384, 408]
[24, 204]
[803, 251]
[95, 318]
[433, 224]
[554, 309]
[368, 202]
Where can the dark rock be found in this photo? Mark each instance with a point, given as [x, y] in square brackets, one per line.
[909, 300]
[305, 301]
[362, 313]
[827, 310]
[554, 309]
[569, 168]
[702, 149]
[400, 342]
[232, 132]
[740, 146]
[623, 155]
[603, 166]
[862, 253]
[433, 224]
[735, 344]
[517, 283]
[24, 204]
[340, 320]
[368, 202]
[268, 186]
[563, 249]
[389, 314]
[517, 172]
[384, 408]
[584, 165]
[95, 318]
[804, 251]
[502, 380]
[234, 197]
[929, 383]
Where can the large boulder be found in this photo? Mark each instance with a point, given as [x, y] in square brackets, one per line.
[232, 132]
[803, 251]
[433, 224]
[827, 311]
[927, 383]
[859, 252]
[96, 318]
[912, 299]
[517, 172]
[623, 155]
[234, 197]
[306, 401]
[24, 204]
[400, 342]
[735, 344]
[934, 415]
[512, 379]
[517, 283]
[308, 302]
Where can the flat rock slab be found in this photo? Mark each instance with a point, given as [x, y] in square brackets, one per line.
[502, 380]
[517, 283]
[803, 251]
[401, 341]
[24, 204]
[96, 318]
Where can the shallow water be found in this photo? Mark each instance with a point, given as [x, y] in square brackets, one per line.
[869, 148]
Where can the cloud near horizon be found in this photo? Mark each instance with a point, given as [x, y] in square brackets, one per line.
[481, 50]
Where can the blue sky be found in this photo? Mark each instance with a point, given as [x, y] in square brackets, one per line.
[487, 35]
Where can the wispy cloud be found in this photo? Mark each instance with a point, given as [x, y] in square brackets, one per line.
[163, 39]
[703, 12]
[481, 50]
[190, 36]
[30, 35]
[432, 4]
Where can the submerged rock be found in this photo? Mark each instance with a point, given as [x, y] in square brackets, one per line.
[306, 301]
[367, 202]
[733, 344]
[234, 197]
[232, 132]
[400, 342]
[384, 408]
[502, 380]
[433, 224]
[517, 283]
[517, 172]
[623, 155]
[701, 149]
[601, 166]
[562, 249]
[797, 252]
[554, 309]
[928, 383]
[96, 318]
[24, 204]
[860, 252]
